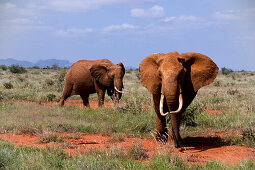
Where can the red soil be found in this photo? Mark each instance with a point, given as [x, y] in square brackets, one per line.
[215, 111]
[77, 103]
[195, 150]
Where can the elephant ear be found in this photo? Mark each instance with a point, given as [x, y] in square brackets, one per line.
[100, 73]
[122, 67]
[149, 73]
[201, 70]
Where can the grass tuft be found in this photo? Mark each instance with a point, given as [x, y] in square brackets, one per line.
[136, 152]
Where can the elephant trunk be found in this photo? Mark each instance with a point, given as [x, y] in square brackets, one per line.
[118, 86]
[170, 102]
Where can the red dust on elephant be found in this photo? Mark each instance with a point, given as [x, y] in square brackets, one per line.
[86, 77]
[174, 79]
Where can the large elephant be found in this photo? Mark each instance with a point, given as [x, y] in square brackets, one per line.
[86, 77]
[174, 79]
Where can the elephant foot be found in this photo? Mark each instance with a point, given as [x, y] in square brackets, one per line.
[175, 143]
[161, 137]
[60, 104]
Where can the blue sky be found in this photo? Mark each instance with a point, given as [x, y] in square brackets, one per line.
[128, 30]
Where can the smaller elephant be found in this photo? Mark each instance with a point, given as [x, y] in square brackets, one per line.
[86, 77]
[173, 80]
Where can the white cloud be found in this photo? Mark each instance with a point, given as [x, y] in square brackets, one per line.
[153, 12]
[168, 19]
[182, 18]
[235, 15]
[73, 32]
[18, 18]
[86, 5]
[119, 27]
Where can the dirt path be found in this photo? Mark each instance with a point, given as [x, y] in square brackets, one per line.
[196, 150]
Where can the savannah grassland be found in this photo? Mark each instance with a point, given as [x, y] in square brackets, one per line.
[226, 107]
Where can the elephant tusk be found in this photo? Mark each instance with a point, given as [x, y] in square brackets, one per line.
[117, 90]
[180, 105]
[171, 112]
[161, 106]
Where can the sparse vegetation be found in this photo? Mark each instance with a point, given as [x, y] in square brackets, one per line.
[225, 106]
[49, 82]
[136, 152]
[47, 137]
[52, 158]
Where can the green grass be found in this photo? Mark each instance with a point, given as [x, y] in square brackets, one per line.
[53, 158]
[233, 94]
[18, 117]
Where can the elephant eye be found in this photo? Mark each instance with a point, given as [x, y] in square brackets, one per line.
[159, 74]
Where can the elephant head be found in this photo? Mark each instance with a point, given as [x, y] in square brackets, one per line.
[109, 77]
[175, 78]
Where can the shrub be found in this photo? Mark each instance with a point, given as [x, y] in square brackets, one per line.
[61, 76]
[232, 92]
[17, 69]
[47, 137]
[133, 106]
[21, 79]
[35, 67]
[55, 66]
[49, 82]
[189, 116]
[8, 85]
[217, 83]
[3, 67]
[226, 71]
[51, 97]
[136, 152]
[249, 135]
[117, 138]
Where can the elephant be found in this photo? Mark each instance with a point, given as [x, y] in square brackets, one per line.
[86, 77]
[174, 79]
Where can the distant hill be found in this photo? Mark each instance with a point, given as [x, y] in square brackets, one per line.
[40, 63]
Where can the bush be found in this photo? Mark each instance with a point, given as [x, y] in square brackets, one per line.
[226, 71]
[217, 83]
[35, 67]
[49, 82]
[232, 92]
[189, 116]
[61, 76]
[136, 152]
[47, 137]
[17, 69]
[8, 85]
[55, 66]
[3, 67]
[21, 79]
[51, 97]
[249, 134]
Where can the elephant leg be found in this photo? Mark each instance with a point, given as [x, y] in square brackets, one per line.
[85, 99]
[65, 94]
[101, 95]
[179, 125]
[174, 135]
[161, 130]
